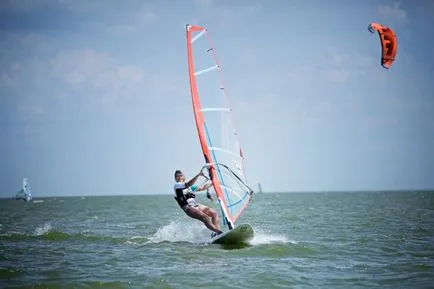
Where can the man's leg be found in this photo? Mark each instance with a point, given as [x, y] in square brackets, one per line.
[198, 215]
[211, 213]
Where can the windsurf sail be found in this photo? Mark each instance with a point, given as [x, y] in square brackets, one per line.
[214, 118]
[24, 193]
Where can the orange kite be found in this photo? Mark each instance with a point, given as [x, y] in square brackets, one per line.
[389, 43]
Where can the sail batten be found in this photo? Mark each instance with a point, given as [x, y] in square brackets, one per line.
[205, 70]
[197, 36]
[225, 151]
[215, 109]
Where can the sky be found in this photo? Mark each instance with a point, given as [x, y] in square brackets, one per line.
[95, 99]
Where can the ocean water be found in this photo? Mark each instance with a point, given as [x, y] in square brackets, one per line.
[302, 240]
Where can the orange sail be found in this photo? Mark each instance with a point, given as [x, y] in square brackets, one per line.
[214, 119]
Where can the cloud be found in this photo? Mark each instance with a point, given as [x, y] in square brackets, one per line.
[6, 78]
[337, 75]
[95, 73]
[77, 15]
[20, 75]
[28, 5]
[396, 18]
[17, 48]
[43, 89]
[393, 12]
[337, 66]
[141, 17]
[14, 41]
[226, 14]
[30, 111]
[428, 5]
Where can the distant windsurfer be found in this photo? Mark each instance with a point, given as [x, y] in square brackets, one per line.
[187, 201]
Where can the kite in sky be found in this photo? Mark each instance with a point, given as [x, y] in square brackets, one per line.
[389, 43]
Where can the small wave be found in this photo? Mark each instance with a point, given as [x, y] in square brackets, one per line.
[7, 273]
[62, 236]
[136, 240]
[47, 233]
[12, 235]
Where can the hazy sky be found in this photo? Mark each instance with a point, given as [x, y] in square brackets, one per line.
[94, 95]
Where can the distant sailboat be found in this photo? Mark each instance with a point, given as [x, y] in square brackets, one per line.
[259, 188]
[24, 193]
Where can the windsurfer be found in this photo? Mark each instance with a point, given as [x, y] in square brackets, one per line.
[186, 199]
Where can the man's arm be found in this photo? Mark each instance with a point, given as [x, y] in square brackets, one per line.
[205, 187]
[193, 180]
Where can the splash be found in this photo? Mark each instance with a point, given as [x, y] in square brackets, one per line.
[196, 233]
[264, 238]
[181, 232]
[45, 228]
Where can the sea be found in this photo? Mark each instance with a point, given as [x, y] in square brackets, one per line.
[302, 240]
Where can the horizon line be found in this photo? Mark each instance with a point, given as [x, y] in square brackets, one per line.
[255, 193]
